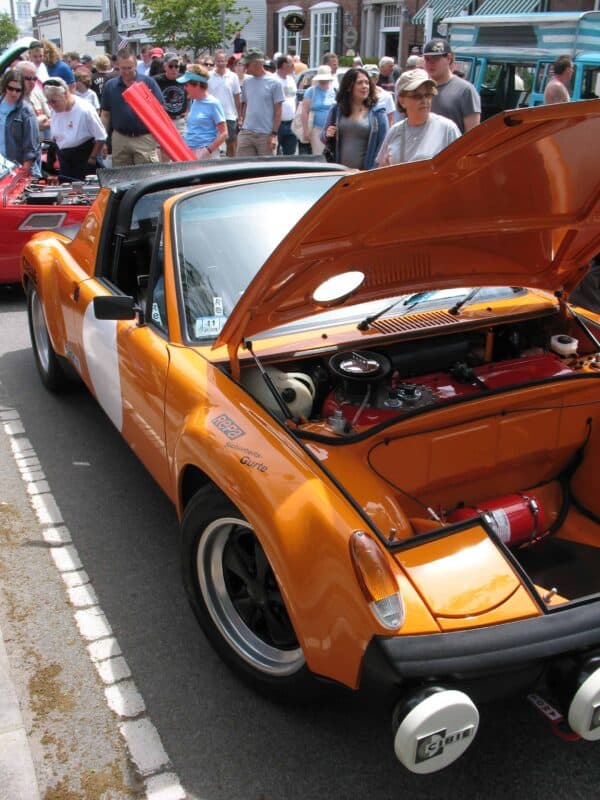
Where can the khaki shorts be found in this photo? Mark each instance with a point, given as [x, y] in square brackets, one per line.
[255, 144]
[128, 150]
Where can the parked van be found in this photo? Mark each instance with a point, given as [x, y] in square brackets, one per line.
[509, 57]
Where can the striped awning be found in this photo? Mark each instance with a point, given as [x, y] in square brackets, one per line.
[441, 9]
[508, 7]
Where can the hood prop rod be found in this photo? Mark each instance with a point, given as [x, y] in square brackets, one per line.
[271, 386]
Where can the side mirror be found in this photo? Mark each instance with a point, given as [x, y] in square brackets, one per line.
[109, 307]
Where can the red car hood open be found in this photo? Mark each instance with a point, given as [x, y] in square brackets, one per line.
[514, 202]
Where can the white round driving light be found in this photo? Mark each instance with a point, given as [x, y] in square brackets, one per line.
[584, 711]
[433, 729]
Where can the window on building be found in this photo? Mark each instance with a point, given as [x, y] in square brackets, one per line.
[124, 9]
[391, 15]
[287, 40]
[323, 28]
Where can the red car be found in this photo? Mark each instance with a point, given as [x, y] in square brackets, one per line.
[30, 205]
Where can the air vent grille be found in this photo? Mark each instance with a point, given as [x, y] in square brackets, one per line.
[415, 322]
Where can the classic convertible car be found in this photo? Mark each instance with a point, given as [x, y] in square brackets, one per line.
[372, 405]
[30, 205]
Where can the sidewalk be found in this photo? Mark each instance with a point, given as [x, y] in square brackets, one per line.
[17, 775]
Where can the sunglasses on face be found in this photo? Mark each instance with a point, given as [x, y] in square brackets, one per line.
[16, 89]
[209, 64]
[29, 78]
[420, 96]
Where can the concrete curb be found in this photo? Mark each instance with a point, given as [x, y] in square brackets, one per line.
[17, 774]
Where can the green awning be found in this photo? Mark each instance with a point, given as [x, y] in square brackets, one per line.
[441, 9]
[508, 7]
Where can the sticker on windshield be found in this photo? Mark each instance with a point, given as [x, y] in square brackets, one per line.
[218, 306]
[209, 326]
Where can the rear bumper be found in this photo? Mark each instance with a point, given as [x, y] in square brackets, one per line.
[485, 650]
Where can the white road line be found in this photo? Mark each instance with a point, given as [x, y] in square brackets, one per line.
[122, 695]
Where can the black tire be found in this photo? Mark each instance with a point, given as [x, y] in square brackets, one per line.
[237, 601]
[51, 371]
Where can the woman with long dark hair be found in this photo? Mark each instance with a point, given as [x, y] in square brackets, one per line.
[355, 129]
[19, 131]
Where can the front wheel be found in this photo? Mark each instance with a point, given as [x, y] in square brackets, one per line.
[236, 598]
[47, 362]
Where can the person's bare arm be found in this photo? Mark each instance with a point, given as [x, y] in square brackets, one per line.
[471, 121]
[105, 118]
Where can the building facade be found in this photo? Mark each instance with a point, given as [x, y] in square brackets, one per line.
[66, 22]
[370, 28]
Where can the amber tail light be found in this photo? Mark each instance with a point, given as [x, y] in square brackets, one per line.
[377, 581]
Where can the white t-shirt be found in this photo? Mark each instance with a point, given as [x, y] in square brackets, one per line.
[74, 127]
[417, 142]
[386, 101]
[288, 109]
[91, 97]
[224, 88]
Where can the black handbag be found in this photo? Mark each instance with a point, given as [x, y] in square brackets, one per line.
[329, 153]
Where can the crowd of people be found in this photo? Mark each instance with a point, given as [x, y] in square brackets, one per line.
[237, 104]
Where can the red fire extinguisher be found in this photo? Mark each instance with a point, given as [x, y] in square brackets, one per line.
[515, 518]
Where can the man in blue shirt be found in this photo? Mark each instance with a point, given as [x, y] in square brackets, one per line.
[132, 142]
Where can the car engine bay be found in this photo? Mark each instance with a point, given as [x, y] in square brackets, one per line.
[355, 389]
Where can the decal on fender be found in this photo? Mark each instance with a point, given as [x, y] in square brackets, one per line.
[227, 426]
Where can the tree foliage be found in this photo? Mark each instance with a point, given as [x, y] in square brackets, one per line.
[195, 24]
[8, 31]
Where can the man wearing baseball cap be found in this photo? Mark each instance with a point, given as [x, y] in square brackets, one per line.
[456, 98]
[262, 98]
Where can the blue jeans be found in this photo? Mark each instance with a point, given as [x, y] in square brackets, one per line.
[286, 139]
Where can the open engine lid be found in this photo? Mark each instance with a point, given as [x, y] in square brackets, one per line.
[515, 202]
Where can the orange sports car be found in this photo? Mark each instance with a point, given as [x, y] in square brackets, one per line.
[372, 405]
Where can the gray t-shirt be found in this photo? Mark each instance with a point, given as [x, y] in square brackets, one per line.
[353, 136]
[260, 96]
[404, 142]
[456, 99]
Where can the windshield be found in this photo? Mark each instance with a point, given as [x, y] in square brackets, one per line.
[225, 236]
[393, 307]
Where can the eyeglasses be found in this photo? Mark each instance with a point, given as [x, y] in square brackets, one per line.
[174, 65]
[419, 96]
[29, 78]
[16, 89]
[209, 64]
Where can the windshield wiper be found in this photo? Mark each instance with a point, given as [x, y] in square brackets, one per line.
[466, 299]
[410, 302]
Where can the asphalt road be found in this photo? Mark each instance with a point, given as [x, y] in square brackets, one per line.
[225, 742]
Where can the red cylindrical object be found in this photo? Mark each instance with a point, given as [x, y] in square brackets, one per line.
[158, 122]
[516, 518]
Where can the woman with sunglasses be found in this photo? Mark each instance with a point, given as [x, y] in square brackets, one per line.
[422, 134]
[206, 129]
[19, 131]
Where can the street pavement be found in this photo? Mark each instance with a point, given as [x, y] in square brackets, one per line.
[70, 725]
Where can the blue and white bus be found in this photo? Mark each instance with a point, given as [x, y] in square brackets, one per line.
[509, 57]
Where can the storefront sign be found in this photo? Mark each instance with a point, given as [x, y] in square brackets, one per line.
[294, 22]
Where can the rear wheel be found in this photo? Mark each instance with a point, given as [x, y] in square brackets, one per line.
[237, 600]
[47, 362]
